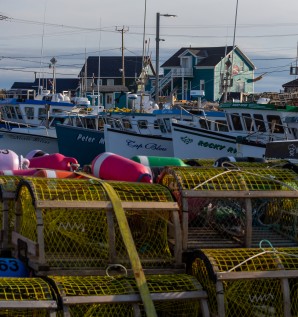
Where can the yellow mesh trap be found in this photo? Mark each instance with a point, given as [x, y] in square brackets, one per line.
[222, 207]
[249, 282]
[26, 297]
[69, 223]
[173, 295]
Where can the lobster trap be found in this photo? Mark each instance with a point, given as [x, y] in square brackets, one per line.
[26, 297]
[70, 226]
[8, 185]
[249, 282]
[173, 295]
[232, 208]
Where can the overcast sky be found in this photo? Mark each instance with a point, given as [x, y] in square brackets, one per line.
[34, 31]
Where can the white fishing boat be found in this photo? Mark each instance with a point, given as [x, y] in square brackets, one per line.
[250, 126]
[285, 149]
[87, 139]
[155, 138]
[24, 106]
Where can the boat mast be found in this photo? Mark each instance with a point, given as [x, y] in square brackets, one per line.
[39, 90]
[143, 60]
[229, 74]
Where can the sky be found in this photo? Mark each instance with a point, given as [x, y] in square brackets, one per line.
[35, 31]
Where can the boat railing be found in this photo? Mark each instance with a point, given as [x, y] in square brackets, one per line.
[268, 134]
[8, 125]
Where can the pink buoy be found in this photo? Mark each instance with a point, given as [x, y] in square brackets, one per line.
[110, 166]
[54, 161]
[9, 160]
[35, 153]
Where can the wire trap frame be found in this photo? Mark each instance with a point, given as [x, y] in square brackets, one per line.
[70, 226]
[249, 282]
[234, 208]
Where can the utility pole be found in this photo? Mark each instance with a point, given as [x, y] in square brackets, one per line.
[123, 30]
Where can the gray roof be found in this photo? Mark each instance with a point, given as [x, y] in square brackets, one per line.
[110, 66]
[210, 56]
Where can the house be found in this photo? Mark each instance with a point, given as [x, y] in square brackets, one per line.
[117, 76]
[207, 72]
[291, 86]
[62, 84]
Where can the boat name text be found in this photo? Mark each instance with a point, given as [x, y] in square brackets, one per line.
[147, 146]
[89, 139]
[216, 146]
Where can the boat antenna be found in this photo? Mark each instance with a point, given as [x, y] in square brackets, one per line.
[143, 60]
[98, 70]
[229, 74]
[41, 50]
[234, 36]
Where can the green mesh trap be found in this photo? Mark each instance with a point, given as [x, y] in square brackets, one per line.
[249, 282]
[222, 207]
[66, 224]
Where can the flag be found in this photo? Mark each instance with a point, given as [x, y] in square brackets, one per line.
[256, 79]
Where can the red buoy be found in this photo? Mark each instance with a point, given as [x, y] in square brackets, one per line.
[54, 161]
[110, 166]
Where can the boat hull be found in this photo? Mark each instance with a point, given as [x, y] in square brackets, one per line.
[129, 144]
[81, 143]
[190, 142]
[23, 143]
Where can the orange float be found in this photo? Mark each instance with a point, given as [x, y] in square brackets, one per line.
[48, 173]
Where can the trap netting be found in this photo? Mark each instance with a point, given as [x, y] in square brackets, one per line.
[71, 224]
[8, 185]
[26, 297]
[234, 207]
[249, 282]
[173, 295]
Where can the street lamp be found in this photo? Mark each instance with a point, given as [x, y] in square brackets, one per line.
[52, 65]
[157, 39]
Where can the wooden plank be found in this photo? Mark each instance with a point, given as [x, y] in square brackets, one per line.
[105, 204]
[257, 275]
[130, 298]
[240, 194]
[31, 245]
[28, 304]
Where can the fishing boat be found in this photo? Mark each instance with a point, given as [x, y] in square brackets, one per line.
[250, 126]
[21, 137]
[90, 138]
[285, 149]
[24, 106]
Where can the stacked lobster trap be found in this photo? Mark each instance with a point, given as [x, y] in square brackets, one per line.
[249, 282]
[233, 208]
[92, 241]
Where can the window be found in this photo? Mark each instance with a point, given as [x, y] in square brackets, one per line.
[249, 125]
[236, 122]
[29, 111]
[110, 82]
[41, 113]
[100, 123]
[126, 124]
[202, 84]
[275, 124]
[221, 125]
[259, 121]
[240, 86]
[142, 124]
